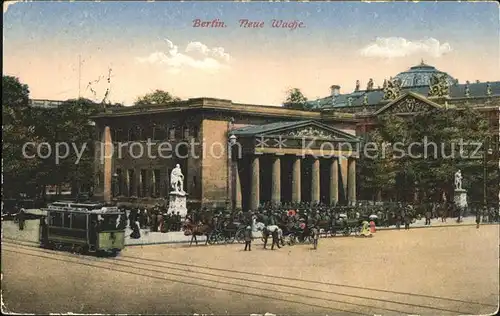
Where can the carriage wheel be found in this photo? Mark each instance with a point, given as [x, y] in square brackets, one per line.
[212, 238]
[240, 236]
[347, 231]
[229, 239]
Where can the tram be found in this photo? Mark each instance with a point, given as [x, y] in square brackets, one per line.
[83, 228]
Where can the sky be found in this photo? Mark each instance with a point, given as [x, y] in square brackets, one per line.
[66, 49]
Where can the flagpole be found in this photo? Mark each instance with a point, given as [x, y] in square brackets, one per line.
[79, 74]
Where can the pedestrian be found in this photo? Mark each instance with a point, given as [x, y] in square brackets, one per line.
[478, 218]
[21, 219]
[315, 235]
[407, 220]
[428, 215]
[373, 228]
[248, 238]
[275, 235]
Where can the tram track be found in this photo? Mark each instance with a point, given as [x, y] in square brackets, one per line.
[159, 267]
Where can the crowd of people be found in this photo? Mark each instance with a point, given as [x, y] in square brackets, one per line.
[158, 219]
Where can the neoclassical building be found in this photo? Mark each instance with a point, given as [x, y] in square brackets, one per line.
[241, 155]
[237, 155]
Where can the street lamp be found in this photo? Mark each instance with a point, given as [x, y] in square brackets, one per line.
[487, 151]
[230, 176]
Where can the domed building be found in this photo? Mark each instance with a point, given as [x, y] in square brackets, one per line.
[421, 75]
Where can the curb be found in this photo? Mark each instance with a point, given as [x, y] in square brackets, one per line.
[382, 228]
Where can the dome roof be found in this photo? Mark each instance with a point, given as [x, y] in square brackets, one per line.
[421, 75]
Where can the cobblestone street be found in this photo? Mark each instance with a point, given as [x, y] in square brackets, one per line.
[445, 271]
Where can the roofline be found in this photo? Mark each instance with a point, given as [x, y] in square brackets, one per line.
[220, 105]
[413, 94]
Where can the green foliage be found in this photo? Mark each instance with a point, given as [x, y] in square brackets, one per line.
[428, 170]
[295, 99]
[69, 124]
[158, 97]
[16, 131]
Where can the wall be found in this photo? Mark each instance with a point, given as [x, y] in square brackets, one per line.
[215, 188]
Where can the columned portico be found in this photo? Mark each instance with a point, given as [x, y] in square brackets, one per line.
[296, 179]
[351, 180]
[307, 166]
[315, 184]
[334, 181]
[276, 180]
[255, 183]
[237, 186]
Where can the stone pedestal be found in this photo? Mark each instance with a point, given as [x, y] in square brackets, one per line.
[460, 198]
[177, 203]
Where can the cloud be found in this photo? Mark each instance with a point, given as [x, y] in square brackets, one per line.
[217, 52]
[394, 47]
[197, 56]
[6, 5]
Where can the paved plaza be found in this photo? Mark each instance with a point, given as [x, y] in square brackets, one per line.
[439, 271]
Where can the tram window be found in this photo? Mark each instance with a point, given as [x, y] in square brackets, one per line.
[67, 220]
[56, 219]
[79, 221]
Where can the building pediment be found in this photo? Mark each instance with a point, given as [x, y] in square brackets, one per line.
[302, 129]
[408, 104]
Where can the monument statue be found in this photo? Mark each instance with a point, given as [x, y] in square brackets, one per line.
[177, 201]
[177, 179]
[458, 180]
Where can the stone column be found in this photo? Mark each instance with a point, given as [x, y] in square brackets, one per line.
[237, 186]
[276, 180]
[351, 180]
[153, 183]
[296, 179]
[315, 183]
[334, 181]
[255, 184]
[107, 158]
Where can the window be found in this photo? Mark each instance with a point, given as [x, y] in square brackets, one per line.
[171, 133]
[117, 135]
[79, 221]
[131, 182]
[195, 132]
[156, 183]
[144, 183]
[55, 219]
[118, 182]
[185, 132]
[131, 134]
[66, 220]
[158, 133]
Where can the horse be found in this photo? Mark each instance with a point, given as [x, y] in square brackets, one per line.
[196, 230]
[267, 230]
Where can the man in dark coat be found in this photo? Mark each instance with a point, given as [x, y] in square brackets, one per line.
[21, 218]
[248, 238]
[275, 239]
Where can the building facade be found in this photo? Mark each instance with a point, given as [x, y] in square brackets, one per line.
[231, 155]
[241, 155]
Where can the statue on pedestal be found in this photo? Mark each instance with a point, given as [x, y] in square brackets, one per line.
[458, 180]
[177, 180]
[177, 201]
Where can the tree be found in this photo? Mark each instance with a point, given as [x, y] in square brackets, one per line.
[158, 97]
[295, 99]
[17, 130]
[71, 125]
[436, 137]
